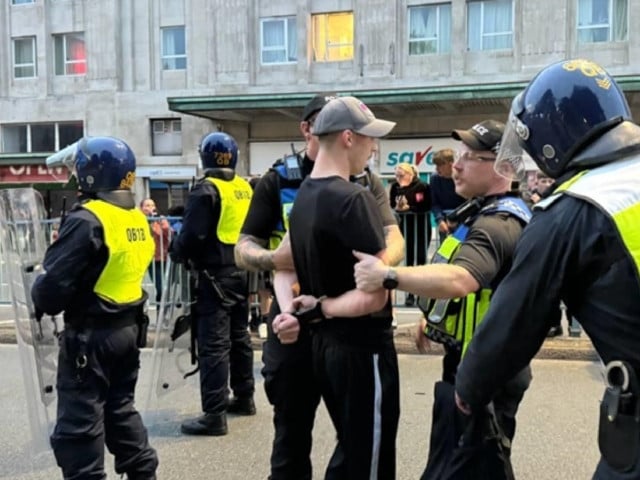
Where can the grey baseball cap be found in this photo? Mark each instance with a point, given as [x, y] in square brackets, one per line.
[349, 113]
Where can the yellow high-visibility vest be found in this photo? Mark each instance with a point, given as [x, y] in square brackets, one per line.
[235, 197]
[128, 239]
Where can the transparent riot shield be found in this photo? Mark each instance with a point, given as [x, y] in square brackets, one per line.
[22, 247]
[173, 359]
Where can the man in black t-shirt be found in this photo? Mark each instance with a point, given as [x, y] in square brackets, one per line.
[465, 271]
[288, 377]
[354, 359]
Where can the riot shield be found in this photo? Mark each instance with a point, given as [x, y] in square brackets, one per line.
[24, 241]
[173, 357]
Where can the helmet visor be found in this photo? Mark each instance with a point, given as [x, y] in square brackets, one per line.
[510, 162]
[64, 158]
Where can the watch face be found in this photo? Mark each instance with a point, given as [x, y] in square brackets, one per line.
[390, 280]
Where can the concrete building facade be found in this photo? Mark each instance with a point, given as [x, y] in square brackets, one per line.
[162, 73]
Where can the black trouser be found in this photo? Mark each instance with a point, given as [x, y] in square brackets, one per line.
[361, 388]
[225, 355]
[506, 400]
[292, 390]
[95, 406]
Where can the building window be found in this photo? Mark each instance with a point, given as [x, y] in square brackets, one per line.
[174, 50]
[40, 137]
[21, 2]
[71, 57]
[166, 136]
[602, 21]
[490, 25]
[24, 57]
[429, 29]
[332, 36]
[278, 40]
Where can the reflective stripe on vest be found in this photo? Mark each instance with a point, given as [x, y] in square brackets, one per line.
[128, 239]
[287, 197]
[615, 189]
[235, 197]
[453, 321]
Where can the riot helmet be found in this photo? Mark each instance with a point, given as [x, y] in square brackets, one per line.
[104, 164]
[564, 109]
[218, 150]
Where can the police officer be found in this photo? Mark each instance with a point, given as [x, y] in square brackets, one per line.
[215, 211]
[289, 383]
[94, 272]
[580, 247]
[466, 269]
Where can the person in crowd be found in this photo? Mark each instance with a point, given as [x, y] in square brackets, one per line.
[444, 198]
[289, 382]
[468, 267]
[410, 197]
[175, 219]
[215, 210]
[330, 219]
[161, 231]
[94, 273]
[581, 247]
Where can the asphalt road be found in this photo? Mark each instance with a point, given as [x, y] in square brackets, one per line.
[556, 437]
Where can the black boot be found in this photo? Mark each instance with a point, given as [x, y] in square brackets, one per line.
[242, 406]
[214, 424]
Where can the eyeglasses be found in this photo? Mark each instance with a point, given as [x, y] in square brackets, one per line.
[312, 120]
[467, 156]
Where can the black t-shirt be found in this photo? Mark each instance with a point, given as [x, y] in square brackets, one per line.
[265, 210]
[330, 218]
[488, 249]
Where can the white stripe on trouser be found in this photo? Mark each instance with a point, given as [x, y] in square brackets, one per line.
[377, 402]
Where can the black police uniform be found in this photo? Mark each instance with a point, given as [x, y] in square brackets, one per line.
[486, 253]
[95, 402]
[225, 355]
[288, 376]
[574, 253]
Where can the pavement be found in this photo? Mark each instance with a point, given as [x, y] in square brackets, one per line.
[564, 347]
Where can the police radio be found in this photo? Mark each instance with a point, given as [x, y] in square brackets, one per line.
[292, 165]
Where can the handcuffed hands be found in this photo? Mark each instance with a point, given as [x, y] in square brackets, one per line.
[368, 272]
[286, 327]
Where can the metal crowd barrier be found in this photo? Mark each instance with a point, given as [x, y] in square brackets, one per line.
[149, 284]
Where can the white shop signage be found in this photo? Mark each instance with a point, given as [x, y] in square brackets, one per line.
[416, 151]
[167, 173]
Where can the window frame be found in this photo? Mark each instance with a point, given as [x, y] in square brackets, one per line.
[437, 38]
[285, 21]
[34, 57]
[328, 46]
[169, 126]
[484, 35]
[173, 57]
[29, 134]
[595, 26]
[67, 63]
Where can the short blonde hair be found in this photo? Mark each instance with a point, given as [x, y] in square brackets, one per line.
[408, 168]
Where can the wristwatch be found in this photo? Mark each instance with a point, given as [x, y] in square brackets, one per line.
[390, 281]
[311, 315]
